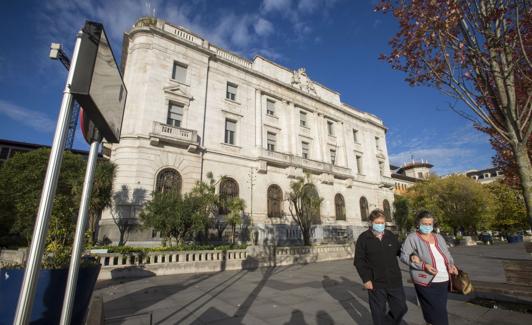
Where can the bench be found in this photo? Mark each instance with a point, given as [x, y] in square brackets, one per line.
[518, 272]
[528, 247]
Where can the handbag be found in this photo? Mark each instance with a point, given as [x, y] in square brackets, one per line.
[460, 283]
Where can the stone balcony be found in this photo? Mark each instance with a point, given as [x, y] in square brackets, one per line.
[387, 182]
[288, 160]
[164, 133]
[276, 158]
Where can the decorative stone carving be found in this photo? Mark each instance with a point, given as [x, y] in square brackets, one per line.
[179, 91]
[301, 81]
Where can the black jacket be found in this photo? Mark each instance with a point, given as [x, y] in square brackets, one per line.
[376, 260]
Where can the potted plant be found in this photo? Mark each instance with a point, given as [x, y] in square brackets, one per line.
[21, 179]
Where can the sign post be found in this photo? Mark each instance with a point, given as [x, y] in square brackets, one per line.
[40, 231]
[100, 89]
[95, 82]
[77, 248]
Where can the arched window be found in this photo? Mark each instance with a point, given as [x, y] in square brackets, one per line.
[364, 209]
[339, 205]
[228, 190]
[275, 198]
[309, 202]
[168, 180]
[387, 210]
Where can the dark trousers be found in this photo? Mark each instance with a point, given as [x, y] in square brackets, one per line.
[433, 301]
[396, 300]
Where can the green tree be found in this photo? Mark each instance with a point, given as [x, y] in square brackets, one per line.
[509, 207]
[233, 218]
[304, 206]
[177, 216]
[101, 199]
[204, 195]
[402, 216]
[21, 181]
[159, 213]
[456, 201]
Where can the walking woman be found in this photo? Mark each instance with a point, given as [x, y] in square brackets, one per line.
[376, 254]
[430, 265]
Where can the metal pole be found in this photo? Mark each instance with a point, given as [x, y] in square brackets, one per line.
[33, 265]
[77, 249]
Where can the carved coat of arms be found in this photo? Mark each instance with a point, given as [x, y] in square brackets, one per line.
[301, 81]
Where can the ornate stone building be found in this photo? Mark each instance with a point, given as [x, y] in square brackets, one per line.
[195, 108]
[409, 173]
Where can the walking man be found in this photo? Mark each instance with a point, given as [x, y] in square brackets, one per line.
[376, 255]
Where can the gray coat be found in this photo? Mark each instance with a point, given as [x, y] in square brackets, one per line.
[416, 245]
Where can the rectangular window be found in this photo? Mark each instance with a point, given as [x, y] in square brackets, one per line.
[330, 128]
[302, 118]
[175, 114]
[305, 151]
[359, 164]
[355, 136]
[271, 141]
[333, 156]
[381, 167]
[377, 143]
[230, 131]
[179, 72]
[231, 91]
[270, 107]
[4, 153]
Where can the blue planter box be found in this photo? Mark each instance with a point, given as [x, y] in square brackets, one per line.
[49, 295]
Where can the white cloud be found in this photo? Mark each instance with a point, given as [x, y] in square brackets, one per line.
[308, 6]
[263, 27]
[276, 5]
[32, 118]
[457, 151]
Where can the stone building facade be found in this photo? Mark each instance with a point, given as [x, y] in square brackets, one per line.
[195, 108]
[409, 173]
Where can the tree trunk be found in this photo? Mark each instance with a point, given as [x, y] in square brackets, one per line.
[121, 240]
[306, 236]
[525, 175]
[233, 233]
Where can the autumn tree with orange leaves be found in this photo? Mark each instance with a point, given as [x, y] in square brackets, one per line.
[480, 53]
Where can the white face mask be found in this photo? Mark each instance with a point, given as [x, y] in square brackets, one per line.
[378, 227]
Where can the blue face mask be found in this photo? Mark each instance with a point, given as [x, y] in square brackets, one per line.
[378, 227]
[425, 229]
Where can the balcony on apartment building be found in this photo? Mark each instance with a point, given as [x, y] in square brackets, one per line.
[287, 160]
[387, 182]
[163, 133]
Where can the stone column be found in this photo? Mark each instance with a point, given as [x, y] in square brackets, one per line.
[258, 118]
[343, 141]
[321, 142]
[293, 127]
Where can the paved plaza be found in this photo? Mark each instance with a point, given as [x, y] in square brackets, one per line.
[319, 293]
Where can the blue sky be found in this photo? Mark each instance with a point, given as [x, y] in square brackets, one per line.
[338, 42]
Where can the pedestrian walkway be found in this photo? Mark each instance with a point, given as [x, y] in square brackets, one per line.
[319, 293]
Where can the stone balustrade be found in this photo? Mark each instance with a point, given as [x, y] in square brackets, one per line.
[285, 159]
[387, 182]
[115, 265]
[183, 34]
[166, 133]
[230, 57]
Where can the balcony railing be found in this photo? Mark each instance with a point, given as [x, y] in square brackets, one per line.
[387, 182]
[284, 159]
[276, 157]
[174, 135]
